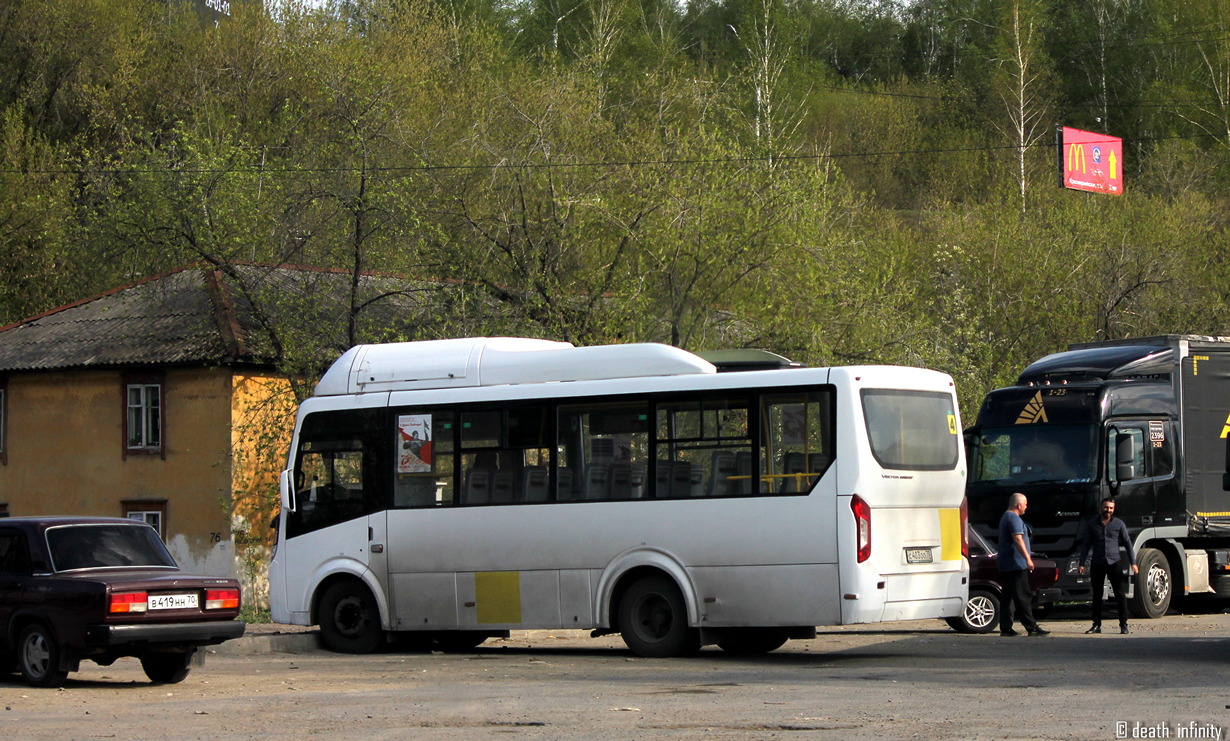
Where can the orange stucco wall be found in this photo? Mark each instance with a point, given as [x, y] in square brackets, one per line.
[264, 418]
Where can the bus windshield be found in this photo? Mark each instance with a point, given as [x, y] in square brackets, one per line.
[1031, 453]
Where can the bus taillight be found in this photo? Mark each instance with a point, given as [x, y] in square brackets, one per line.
[862, 520]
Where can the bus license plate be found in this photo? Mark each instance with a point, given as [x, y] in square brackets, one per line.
[918, 555]
[172, 601]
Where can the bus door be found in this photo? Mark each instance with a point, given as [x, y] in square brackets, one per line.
[420, 527]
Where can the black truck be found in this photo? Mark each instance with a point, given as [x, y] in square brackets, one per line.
[1143, 421]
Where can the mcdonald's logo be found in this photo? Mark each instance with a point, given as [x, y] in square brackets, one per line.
[1077, 161]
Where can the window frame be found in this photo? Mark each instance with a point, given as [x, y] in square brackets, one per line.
[130, 507]
[144, 381]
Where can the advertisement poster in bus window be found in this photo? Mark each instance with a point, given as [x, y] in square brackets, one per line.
[414, 443]
[794, 424]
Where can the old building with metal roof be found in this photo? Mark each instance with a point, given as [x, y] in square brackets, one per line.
[171, 399]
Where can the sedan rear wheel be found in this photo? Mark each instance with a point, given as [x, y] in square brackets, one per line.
[166, 668]
[981, 613]
[38, 656]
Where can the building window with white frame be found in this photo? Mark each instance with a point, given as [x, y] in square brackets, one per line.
[151, 512]
[143, 418]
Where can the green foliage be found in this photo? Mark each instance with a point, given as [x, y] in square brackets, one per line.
[840, 182]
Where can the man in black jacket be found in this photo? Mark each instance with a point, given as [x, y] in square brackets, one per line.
[1104, 535]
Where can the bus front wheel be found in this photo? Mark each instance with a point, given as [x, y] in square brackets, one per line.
[350, 619]
[653, 619]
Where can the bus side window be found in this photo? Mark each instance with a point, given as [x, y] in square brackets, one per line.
[798, 441]
[424, 459]
[604, 448]
[703, 447]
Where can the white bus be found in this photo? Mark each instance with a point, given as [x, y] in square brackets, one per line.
[449, 491]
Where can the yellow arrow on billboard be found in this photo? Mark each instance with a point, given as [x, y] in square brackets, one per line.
[1113, 161]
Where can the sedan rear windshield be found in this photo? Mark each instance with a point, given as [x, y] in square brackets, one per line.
[106, 546]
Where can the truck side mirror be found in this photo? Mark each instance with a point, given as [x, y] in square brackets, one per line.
[1125, 458]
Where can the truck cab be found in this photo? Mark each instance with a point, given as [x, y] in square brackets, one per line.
[1132, 421]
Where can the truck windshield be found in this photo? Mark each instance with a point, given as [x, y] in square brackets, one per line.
[1035, 453]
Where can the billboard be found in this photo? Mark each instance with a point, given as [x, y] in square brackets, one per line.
[1091, 162]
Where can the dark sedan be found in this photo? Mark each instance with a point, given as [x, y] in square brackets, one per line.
[985, 590]
[101, 589]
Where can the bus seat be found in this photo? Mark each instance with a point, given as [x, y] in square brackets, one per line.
[597, 481]
[621, 481]
[564, 483]
[721, 468]
[478, 486]
[686, 479]
[696, 479]
[638, 481]
[743, 467]
[502, 485]
[817, 463]
[662, 479]
[534, 484]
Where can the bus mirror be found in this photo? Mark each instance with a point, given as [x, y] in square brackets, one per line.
[1125, 458]
[288, 491]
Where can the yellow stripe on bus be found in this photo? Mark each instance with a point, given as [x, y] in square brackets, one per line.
[498, 594]
[950, 534]
[1213, 514]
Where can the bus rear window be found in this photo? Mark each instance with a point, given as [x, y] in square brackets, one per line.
[912, 430]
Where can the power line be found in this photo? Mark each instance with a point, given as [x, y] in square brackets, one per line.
[717, 161]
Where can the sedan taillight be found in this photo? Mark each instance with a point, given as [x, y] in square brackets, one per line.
[221, 599]
[129, 602]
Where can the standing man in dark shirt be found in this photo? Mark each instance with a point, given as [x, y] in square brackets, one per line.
[1015, 563]
[1104, 535]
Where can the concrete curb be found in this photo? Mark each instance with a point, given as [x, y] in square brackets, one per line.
[265, 643]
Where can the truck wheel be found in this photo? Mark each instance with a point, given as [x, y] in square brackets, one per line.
[654, 620]
[350, 619]
[1152, 587]
[166, 667]
[981, 613]
[38, 656]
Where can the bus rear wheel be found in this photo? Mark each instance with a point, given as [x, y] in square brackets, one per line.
[653, 619]
[1153, 586]
[350, 619]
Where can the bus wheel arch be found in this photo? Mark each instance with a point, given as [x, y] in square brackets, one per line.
[349, 615]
